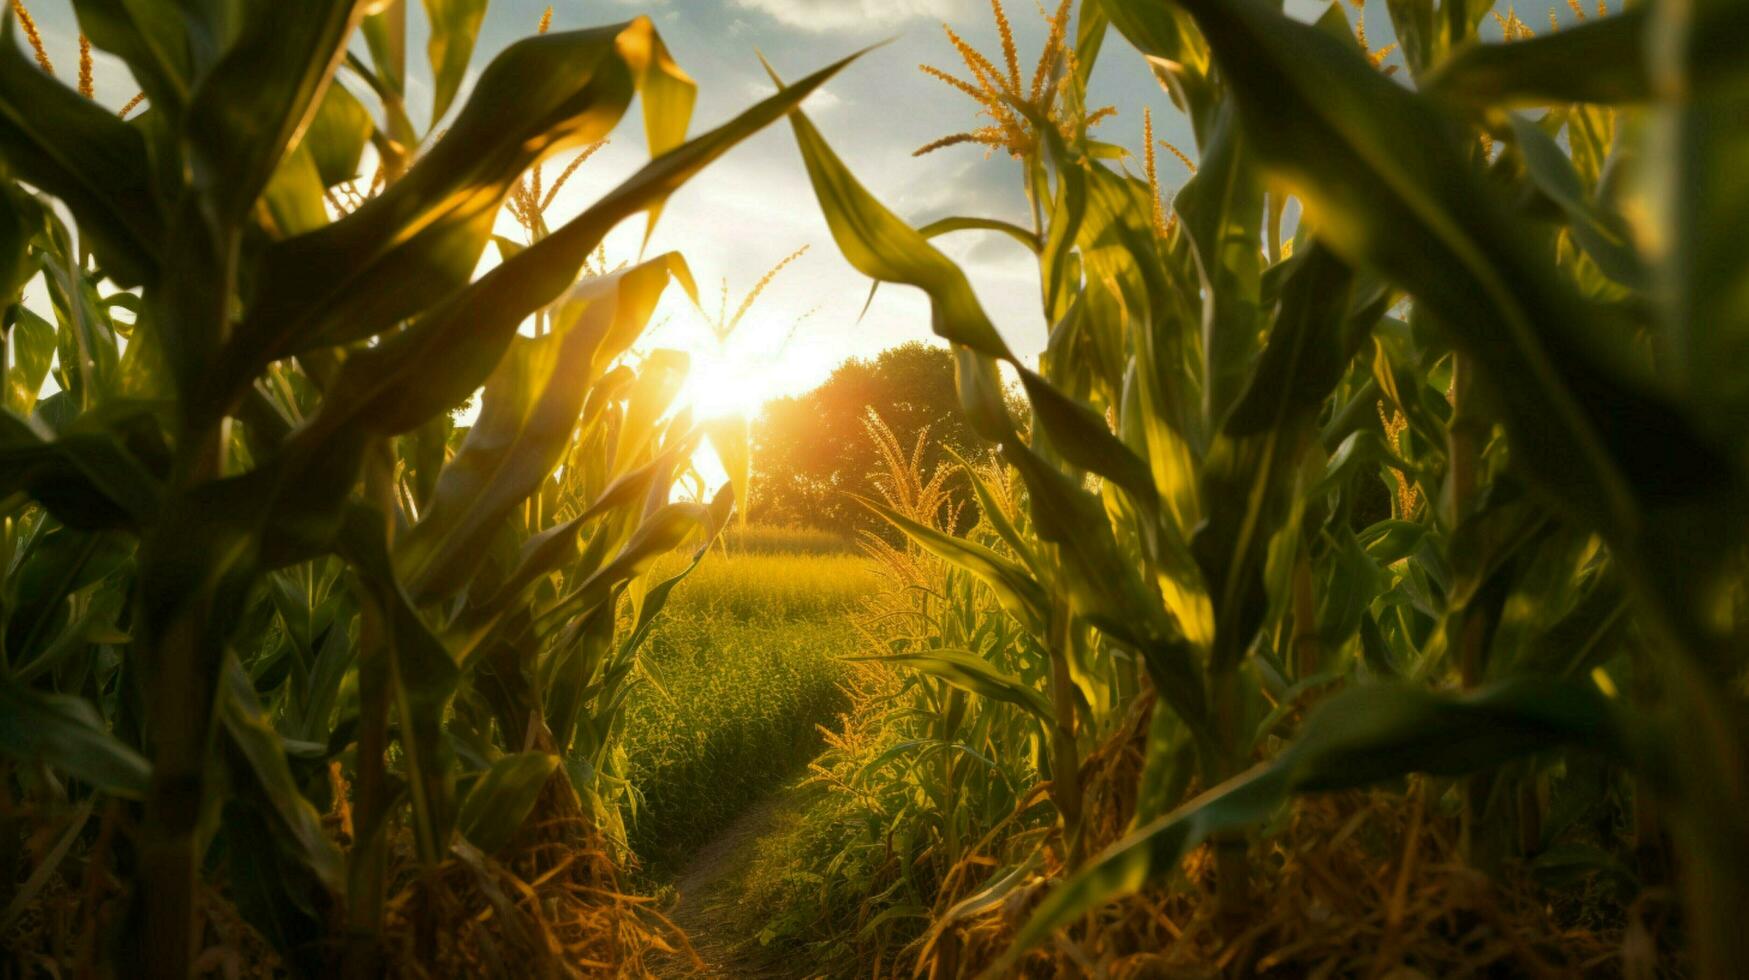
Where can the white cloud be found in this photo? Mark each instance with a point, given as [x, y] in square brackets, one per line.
[822, 101]
[830, 15]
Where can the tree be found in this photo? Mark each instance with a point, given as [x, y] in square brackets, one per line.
[812, 454]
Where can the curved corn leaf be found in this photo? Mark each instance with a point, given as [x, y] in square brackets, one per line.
[74, 149]
[493, 811]
[1014, 586]
[1222, 211]
[1249, 471]
[657, 597]
[260, 745]
[661, 532]
[556, 547]
[1330, 125]
[65, 732]
[1358, 737]
[33, 350]
[454, 26]
[943, 226]
[426, 231]
[1698, 148]
[1603, 235]
[1599, 61]
[60, 562]
[731, 439]
[970, 672]
[237, 128]
[337, 135]
[1081, 437]
[422, 677]
[529, 408]
[86, 479]
[1104, 585]
[881, 246]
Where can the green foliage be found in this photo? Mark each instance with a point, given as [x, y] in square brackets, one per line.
[743, 669]
[249, 559]
[1499, 317]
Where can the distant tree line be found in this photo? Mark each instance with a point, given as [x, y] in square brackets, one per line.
[812, 453]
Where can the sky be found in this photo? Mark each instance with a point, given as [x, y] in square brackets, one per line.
[753, 207]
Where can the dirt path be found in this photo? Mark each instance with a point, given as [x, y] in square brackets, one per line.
[708, 891]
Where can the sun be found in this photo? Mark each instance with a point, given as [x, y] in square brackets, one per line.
[724, 385]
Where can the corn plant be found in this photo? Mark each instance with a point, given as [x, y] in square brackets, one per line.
[244, 539]
[1453, 321]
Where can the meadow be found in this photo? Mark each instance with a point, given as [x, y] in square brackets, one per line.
[743, 669]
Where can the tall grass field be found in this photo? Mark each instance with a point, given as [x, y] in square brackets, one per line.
[744, 670]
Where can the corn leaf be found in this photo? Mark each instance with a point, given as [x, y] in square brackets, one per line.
[970, 672]
[1359, 737]
[237, 129]
[494, 810]
[65, 732]
[72, 148]
[1601, 61]
[454, 25]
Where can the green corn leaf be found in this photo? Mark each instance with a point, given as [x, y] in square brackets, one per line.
[994, 515]
[423, 678]
[72, 148]
[152, 38]
[84, 478]
[527, 413]
[454, 26]
[496, 807]
[1249, 472]
[426, 231]
[237, 128]
[731, 440]
[1700, 206]
[337, 135]
[1014, 586]
[294, 196]
[556, 547]
[1080, 436]
[943, 226]
[385, 36]
[970, 672]
[1222, 210]
[60, 562]
[33, 350]
[21, 221]
[252, 733]
[1601, 61]
[1418, 210]
[582, 652]
[1603, 235]
[661, 374]
[1358, 737]
[335, 656]
[661, 532]
[65, 732]
[657, 597]
[881, 246]
[443, 357]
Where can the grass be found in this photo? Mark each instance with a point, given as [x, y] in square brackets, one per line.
[772, 540]
[744, 666]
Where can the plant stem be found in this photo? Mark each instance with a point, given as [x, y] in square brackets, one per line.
[1065, 756]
